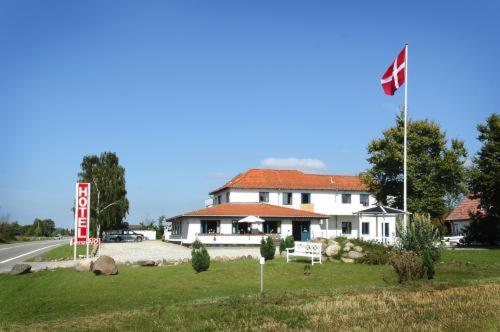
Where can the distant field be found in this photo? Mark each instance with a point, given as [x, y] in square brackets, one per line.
[464, 296]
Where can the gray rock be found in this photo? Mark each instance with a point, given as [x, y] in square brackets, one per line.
[20, 269]
[85, 265]
[354, 255]
[146, 262]
[332, 250]
[105, 265]
[357, 248]
[348, 246]
[347, 260]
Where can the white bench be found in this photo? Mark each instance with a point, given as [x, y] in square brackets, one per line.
[305, 249]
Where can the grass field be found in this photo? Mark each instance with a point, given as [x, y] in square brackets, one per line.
[64, 252]
[465, 295]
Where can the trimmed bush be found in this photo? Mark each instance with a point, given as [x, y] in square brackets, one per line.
[200, 259]
[282, 245]
[289, 242]
[267, 248]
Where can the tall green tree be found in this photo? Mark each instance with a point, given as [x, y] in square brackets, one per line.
[109, 203]
[484, 183]
[484, 180]
[436, 172]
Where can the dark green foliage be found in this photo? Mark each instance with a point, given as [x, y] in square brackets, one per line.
[436, 171]
[484, 183]
[483, 229]
[200, 259]
[108, 202]
[282, 245]
[421, 238]
[289, 242]
[267, 248]
[375, 252]
[407, 265]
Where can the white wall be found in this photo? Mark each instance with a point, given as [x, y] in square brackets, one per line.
[148, 235]
[324, 201]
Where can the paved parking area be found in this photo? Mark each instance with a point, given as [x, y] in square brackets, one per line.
[158, 250]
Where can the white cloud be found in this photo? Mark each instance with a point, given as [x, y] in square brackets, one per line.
[300, 163]
[217, 175]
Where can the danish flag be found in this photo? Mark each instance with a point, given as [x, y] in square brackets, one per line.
[394, 77]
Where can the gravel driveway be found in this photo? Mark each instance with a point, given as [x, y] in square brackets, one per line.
[158, 250]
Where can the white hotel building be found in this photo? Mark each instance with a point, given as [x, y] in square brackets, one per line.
[289, 202]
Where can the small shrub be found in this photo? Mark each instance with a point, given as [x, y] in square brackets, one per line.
[375, 252]
[307, 269]
[407, 265]
[422, 238]
[289, 242]
[282, 245]
[267, 248]
[200, 259]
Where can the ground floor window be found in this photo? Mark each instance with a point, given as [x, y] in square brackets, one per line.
[346, 227]
[176, 228]
[272, 226]
[210, 227]
[365, 228]
[385, 229]
[245, 228]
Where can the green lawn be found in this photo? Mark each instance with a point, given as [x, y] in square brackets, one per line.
[334, 296]
[64, 252]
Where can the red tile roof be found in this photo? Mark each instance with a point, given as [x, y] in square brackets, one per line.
[461, 212]
[292, 179]
[252, 209]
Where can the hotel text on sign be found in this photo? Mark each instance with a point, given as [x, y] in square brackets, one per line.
[82, 213]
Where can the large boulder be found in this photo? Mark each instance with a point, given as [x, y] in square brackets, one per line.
[20, 269]
[347, 260]
[348, 246]
[105, 265]
[146, 263]
[332, 250]
[354, 255]
[357, 248]
[84, 265]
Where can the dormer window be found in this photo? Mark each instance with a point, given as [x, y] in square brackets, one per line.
[346, 198]
[287, 198]
[227, 197]
[364, 199]
[219, 199]
[305, 198]
[264, 197]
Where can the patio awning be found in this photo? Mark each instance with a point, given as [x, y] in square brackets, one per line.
[379, 209]
[252, 219]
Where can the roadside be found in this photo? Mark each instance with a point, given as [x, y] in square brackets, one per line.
[11, 254]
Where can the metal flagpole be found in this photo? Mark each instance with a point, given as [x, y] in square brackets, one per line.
[405, 139]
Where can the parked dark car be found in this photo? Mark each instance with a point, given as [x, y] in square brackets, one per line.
[121, 235]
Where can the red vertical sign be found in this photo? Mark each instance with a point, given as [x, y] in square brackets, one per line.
[82, 213]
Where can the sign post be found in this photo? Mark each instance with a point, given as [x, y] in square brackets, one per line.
[262, 262]
[82, 217]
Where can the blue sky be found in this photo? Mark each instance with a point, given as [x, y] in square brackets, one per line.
[189, 93]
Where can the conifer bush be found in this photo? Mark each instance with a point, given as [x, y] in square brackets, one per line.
[200, 259]
[267, 248]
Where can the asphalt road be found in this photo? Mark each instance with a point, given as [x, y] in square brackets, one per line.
[11, 254]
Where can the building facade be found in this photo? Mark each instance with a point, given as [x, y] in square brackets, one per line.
[305, 206]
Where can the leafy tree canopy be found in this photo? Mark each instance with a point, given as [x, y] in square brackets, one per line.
[109, 203]
[436, 172]
[484, 179]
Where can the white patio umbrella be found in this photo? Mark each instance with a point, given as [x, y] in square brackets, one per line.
[252, 219]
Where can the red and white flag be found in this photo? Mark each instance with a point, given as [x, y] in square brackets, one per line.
[394, 77]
